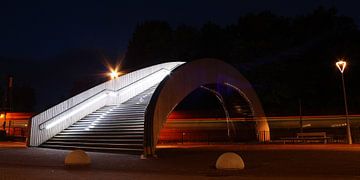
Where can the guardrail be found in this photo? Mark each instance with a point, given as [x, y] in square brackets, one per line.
[52, 121]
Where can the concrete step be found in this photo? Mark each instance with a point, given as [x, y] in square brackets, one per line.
[100, 136]
[137, 140]
[111, 149]
[104, 129]
[103, 133]
[106, 123]
[115, 114]
[112, 119]
[95, 144]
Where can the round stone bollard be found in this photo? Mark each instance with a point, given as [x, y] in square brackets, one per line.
[77, 158]
[230, 161]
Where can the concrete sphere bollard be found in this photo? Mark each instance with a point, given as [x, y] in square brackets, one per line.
[230, 161]
[77, 158]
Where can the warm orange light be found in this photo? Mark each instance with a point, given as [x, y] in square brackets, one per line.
[1, 115]
[114, 74]
[341, 65]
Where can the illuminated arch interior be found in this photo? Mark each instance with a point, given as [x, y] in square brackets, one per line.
[185, 79]
[201, 118]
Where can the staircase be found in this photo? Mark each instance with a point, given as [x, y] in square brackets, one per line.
[110, 128]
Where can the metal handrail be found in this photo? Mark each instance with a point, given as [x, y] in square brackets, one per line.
[139, 80]
[41, 126]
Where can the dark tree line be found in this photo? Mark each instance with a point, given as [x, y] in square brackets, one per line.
[19, 98]
[285, 58]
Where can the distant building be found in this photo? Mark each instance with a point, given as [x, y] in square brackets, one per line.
[15, 124]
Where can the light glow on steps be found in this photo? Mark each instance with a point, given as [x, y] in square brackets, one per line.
[67, 115]
[145, 83]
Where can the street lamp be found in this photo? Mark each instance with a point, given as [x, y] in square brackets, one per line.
[114, 74]
[341, 66]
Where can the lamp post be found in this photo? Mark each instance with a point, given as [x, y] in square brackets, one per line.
[341, 66]
[113, 75]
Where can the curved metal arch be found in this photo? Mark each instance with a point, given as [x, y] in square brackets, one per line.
[182, 81]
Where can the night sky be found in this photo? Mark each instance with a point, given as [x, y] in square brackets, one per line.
[39, 31]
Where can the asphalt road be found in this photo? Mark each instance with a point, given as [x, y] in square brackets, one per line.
[189, 162]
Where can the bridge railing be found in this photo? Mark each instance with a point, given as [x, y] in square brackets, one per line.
[55, 119]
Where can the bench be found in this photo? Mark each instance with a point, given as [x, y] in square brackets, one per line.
[307, 137]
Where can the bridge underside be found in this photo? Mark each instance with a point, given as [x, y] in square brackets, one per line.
[221, 115]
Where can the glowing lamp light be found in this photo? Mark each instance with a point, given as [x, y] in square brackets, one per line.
[341, 65]
[114, 74]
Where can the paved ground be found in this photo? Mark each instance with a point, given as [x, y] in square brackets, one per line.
[5, 144]
[190, 162]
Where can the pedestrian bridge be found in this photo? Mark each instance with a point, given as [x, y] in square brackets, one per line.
[126, 114]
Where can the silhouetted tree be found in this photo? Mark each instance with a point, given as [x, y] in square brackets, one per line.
[212, 42]
[24, 98]
[151, 43]
[186, 43]
[285, 58]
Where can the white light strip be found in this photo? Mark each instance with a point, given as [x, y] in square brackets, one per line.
[147, 82]
[55, 122]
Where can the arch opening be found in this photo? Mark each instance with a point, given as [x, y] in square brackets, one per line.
[185, 79]
[212, 113]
